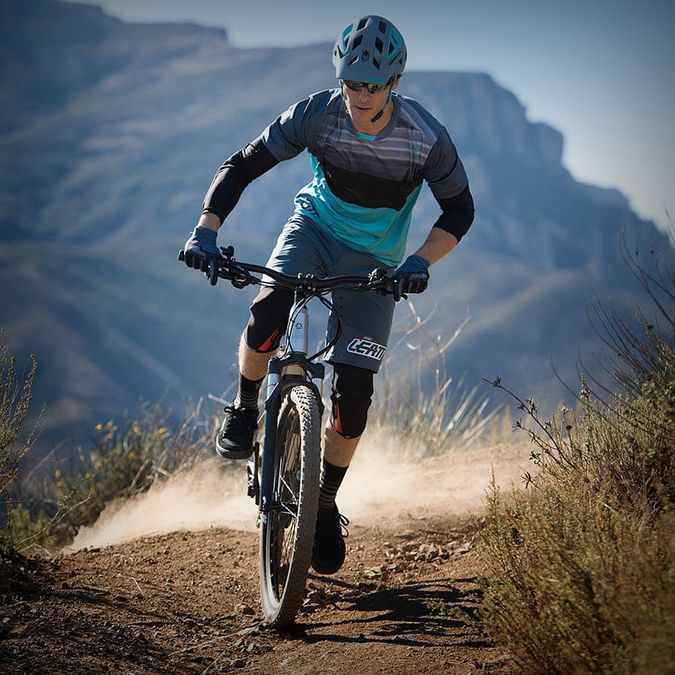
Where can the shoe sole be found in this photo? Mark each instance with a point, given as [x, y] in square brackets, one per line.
[231, 453]
[326, 570]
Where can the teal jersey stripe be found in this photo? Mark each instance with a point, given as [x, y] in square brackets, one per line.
[380, 232]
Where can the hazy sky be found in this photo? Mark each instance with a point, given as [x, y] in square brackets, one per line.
[600, 71]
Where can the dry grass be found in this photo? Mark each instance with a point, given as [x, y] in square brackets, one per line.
[583, 563]
[15, 400]
[434, 419]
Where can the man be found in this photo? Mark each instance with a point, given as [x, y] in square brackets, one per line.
[370, 150]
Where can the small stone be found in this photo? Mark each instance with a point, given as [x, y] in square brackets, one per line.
[376, 571]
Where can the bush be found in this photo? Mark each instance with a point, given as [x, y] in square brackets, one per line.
[583, 563]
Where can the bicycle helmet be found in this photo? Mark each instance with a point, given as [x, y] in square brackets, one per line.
[369, 50]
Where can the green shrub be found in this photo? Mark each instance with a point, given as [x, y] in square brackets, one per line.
[24, 527]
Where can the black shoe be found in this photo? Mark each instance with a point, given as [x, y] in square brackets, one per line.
[329, 541]
[235, 438]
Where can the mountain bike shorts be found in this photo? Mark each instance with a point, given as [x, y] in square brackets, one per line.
[304, 247]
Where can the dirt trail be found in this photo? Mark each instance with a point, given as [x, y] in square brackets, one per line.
[185, 602]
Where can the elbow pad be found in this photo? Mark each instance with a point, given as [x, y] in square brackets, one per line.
[234, 175]
[458, 213]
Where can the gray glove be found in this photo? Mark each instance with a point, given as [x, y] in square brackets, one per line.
[201, 247]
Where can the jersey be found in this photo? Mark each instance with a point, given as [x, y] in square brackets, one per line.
[364, 187]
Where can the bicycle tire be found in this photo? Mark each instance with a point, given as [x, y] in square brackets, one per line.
[287, 533]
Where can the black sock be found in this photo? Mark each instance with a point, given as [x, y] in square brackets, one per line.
[247, 394]
[331, 479]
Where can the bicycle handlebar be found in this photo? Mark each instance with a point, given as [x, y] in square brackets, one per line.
[239, 275]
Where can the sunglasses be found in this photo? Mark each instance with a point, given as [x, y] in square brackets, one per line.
[371, 88]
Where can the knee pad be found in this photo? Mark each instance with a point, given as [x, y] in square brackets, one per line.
[352, 392]
[269, 316]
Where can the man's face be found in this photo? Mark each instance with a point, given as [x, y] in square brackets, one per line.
[363, 106]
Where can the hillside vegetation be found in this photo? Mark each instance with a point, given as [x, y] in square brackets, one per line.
[583, 563]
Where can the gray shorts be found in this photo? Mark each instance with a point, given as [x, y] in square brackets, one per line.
[304, 247]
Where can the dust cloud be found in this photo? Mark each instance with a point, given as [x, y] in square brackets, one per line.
[384, 483]
[383, 486]
[196, 500]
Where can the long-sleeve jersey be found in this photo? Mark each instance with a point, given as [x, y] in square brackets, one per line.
[364, 187]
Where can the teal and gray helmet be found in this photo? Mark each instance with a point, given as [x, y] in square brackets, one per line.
[369, 50]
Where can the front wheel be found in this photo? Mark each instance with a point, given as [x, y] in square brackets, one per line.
[287, 530]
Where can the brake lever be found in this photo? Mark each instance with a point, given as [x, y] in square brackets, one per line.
[212, 272]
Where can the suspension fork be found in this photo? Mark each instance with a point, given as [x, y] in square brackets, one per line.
[278, 382]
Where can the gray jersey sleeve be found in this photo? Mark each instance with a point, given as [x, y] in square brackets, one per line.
[443, 169]
[294, 130]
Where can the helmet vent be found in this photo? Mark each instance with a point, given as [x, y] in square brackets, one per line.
[362, 23]
[379, 44]
[383, 27]
[353, 60]
[345, 36]
[394, 43]
[357, 41]
[376, 63]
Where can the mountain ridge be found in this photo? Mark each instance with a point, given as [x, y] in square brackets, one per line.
[100, 184]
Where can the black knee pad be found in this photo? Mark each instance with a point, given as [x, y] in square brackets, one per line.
[269, 317]
[351, 396]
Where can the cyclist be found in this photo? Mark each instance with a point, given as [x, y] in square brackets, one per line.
[370, 149]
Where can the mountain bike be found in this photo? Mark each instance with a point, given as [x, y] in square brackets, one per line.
[284, 478]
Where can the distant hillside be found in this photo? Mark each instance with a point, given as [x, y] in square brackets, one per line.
[109, 136]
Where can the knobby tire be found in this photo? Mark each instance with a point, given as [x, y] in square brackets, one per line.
[287, 533]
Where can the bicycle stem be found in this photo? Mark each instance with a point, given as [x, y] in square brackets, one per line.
[300, 327]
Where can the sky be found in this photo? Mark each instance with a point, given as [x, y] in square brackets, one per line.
[600, 71]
